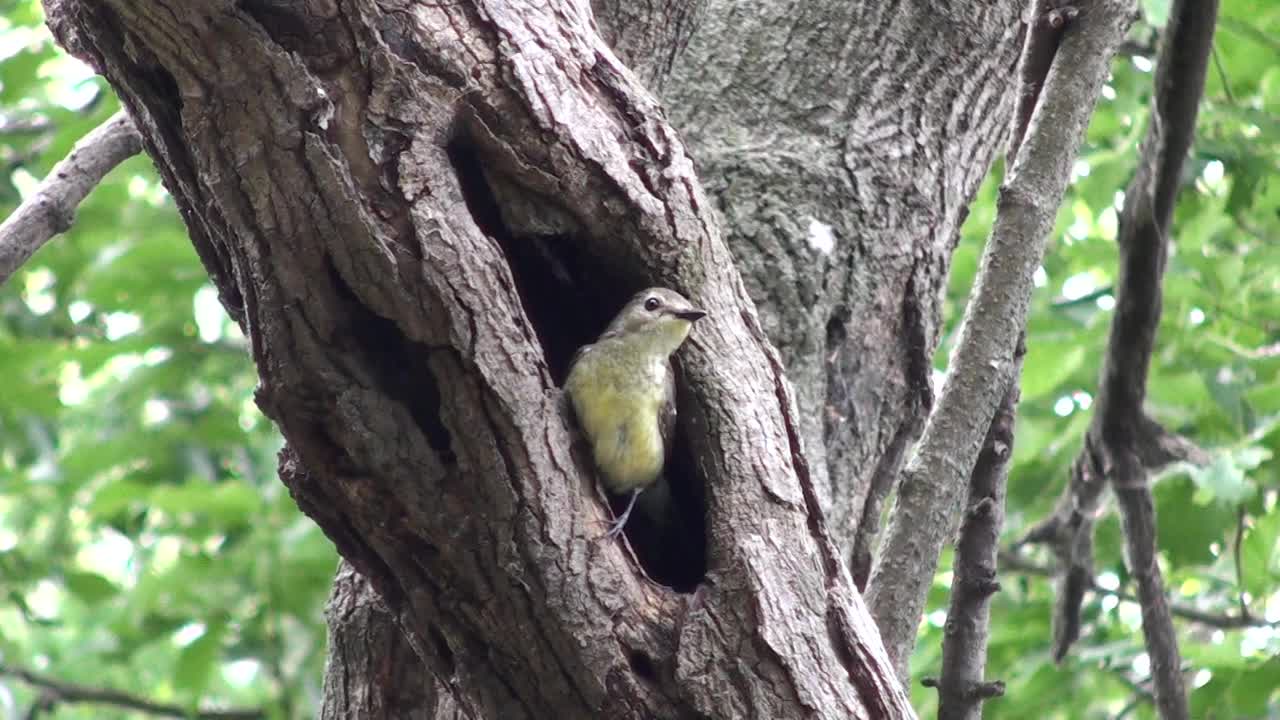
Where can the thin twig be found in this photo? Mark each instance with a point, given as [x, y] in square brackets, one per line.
[1235, 556]
[1141, 692]
[55, 691]
[51, 209]
[1222, 76]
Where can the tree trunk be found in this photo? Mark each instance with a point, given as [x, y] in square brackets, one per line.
[416, 212]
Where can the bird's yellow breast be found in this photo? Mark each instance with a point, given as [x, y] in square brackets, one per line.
[617, 403]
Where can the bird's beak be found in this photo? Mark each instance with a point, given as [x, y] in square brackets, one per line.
[690, 314]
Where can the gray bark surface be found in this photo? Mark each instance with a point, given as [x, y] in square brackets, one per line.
[372, 672]
[874, 123]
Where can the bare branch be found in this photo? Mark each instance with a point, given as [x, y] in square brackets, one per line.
[1044, 30]
[1123, 444]
[929, 495]
[51, 209]
[1235, 557]
[964, 645]
[56, 691]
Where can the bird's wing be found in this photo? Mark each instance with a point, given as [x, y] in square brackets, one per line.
[667, 414]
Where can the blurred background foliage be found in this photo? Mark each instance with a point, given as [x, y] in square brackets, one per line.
[147, 546]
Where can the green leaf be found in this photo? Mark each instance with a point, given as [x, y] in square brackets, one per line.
[1224, 480]
[90, 587]
[1258, 559]
[228, 502]
[1048, 365]
[197, 661]
[1217, 655]
[1210, 701]
[1254, 689]
[117, 495]
[1187, 530]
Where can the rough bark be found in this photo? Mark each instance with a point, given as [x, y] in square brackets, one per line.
[842, 143]
[372, 188]
[372, 673]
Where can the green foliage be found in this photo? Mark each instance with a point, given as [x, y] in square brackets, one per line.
[145, 542]
[1215, 378]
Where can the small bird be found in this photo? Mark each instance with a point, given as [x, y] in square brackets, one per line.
[623, 392]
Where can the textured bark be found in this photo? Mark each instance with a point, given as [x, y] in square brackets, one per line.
[649, 35]
[842, 143]
[372, 672]
[380, 193]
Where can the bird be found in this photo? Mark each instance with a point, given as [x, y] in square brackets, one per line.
[622, 391]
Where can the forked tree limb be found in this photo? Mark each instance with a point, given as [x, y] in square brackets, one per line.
[1122, 444]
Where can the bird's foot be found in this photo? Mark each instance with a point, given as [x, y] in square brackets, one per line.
[615, 528]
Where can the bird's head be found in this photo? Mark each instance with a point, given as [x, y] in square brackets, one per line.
[657, 319]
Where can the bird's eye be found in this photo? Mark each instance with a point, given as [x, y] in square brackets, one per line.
[652, 304]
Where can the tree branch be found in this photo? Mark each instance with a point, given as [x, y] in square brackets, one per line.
[929, 495]
[963, 686]
[1044, 29]
[51, 209]
[56, 691]
[1122, 444]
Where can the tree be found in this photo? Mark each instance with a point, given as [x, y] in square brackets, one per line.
[506, 181]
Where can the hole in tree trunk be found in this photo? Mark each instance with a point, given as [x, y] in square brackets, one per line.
[569, 298]
[385, 349]
[642, 666]
[443, 651]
